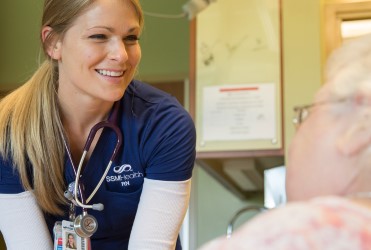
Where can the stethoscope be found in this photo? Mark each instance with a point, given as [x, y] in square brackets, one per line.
[85, 225]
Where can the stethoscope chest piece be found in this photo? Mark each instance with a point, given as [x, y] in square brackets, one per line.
[85, 225]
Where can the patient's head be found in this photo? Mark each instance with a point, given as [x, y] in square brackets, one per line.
[331, 152]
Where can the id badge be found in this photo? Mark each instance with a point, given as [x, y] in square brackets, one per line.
[65, 237]
[57, 231]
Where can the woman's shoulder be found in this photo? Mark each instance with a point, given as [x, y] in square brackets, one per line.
[330, 212]
[144, 100]
[148, 93]
[10, 182]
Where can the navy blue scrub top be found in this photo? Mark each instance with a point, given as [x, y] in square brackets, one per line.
[158, 143]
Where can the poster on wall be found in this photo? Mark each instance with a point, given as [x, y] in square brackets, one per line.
[238, 76]
[239, 112]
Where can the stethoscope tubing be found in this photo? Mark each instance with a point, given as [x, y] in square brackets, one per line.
[111, 123]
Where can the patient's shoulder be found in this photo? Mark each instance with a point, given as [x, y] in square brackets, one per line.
[323, 223]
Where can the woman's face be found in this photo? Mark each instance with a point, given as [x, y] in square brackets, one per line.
[315, 166]
[99, 54]
[71, 239]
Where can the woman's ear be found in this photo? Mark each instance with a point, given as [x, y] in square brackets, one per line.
[356, 138]
[53, 47]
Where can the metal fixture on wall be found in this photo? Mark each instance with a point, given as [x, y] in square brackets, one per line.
[231, 223]
[190, 10]
[193, 7]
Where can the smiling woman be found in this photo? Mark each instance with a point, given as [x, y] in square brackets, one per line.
[92, 52]
[97, 49]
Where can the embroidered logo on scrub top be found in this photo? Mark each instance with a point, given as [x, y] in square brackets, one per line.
[124, 173]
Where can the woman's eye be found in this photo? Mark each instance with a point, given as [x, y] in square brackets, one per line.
[98, 36]
[132, 39]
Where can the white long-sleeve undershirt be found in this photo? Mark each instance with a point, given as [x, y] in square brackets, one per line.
[162, 207]
[22, 223]
[161, 210]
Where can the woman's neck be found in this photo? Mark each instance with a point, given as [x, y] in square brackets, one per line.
[82, 116]
[78, 119]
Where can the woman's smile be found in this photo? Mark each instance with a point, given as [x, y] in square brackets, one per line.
[112, 73]
[99, 54]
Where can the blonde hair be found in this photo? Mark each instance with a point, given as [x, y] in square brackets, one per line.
[30, 126]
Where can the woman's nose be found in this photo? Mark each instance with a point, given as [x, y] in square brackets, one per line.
[118, 51]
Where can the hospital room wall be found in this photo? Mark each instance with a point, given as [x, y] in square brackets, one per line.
[165, 57]
[302, 57]
[19, 44]
[301, 78]
[165, 42]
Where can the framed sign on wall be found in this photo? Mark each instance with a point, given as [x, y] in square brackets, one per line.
[238, 77]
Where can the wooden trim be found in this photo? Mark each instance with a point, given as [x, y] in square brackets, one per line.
[239, 154]
[335, 14]
[192, 69]
[281, 151]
